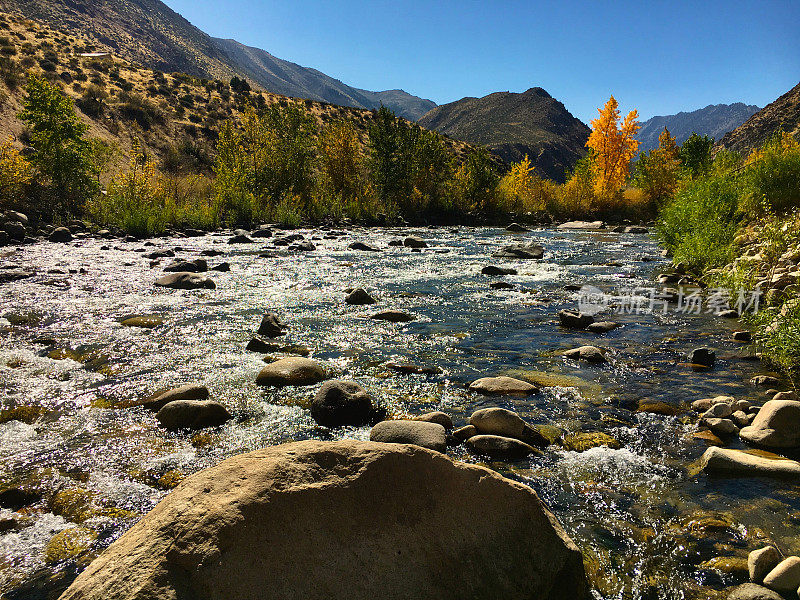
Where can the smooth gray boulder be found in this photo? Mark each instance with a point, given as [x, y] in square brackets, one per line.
[777, 425]
[420, 433]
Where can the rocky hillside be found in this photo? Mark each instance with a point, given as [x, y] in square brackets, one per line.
[715, 120]
[173, 116]
[149, 33]
[781, 115]
[512, 125]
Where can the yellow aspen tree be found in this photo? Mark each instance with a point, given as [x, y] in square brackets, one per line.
[614, 145]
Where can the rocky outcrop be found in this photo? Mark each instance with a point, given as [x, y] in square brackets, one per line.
[303, 520]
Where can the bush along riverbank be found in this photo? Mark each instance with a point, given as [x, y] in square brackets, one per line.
[737, 227]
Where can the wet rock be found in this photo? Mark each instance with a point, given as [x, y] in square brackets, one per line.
[530, 251]
[419, 433]
[14, 275]
[301, 504]
[708, 437]
[740, 418]
[751, 591]
[17, 217]
[222, 267]
[186, 281]
[721, 410]
[636, 229]
[722, 427]
[497, 446]
[501, 285]
[188, 266]
[272, 326]
[785, 577]
[143, 322]
[777, 425]
[413, 241]
[16, 498]
[361, 246]
[502, 386]
[706, 403]
[157, 401]
[728, 314]
[761, 562]
[591, 354]
[658, 407]
[292, 371]
[359, 297]
[15, 231]
[575, 320]
[766, 380]
[60, 235]
[494, 271]
[506, 423]
[742, 336]
[582, 225]
[260, 346]
[305, 246]
[393, 316]
[785, 396]
[464, 433]
[602, 327]
[192, 414]
[339, 403]
[411, 369]
[439, 417]
[261, 233]
[580, 442]
[240, 237]
[160, 254]
[724, 461]
[517, 228]
[703, 357]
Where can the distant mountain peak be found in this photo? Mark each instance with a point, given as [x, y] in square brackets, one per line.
[513, 125]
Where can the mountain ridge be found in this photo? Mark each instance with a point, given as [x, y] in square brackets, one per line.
[150, 33]
[513, 125]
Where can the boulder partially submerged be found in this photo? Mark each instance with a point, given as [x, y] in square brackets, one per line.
[349, 519]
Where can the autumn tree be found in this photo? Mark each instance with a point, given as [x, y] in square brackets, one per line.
[340, 159]
[15, 175]
[657, 171]
[613, 146]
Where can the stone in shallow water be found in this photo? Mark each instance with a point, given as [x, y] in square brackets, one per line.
[439, 417]
[192, 414]
[580, 442]
[502, 386]
[751, 591]
[413, 241]
[785, 577]
[420, 433]
[359, 297]
[575, 320]
[339, 403]
[777, 425]
[494, 271]
[497, 446]
[725, 461]
[272, 326]
[506, 423]
[186, 281]
[521, 251]
[591, 354]
[156, 401]
[603, 327]
[393, 316]
[760, 562]
[292, 371]
[705, 357]
[308, 507]
[145, 321]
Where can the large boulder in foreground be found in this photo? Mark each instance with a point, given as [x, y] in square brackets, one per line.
[777, 425]
[349, 519]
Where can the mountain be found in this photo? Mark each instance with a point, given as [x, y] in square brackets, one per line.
[149, 33]
[512, 125]
[715, 120]
[289, 79]
[781, 115]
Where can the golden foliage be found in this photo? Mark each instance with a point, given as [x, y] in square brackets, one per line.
[339, 150]
[614, 147]
[16, 174]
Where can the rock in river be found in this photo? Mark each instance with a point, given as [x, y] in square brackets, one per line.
[158, 400]
[339, 403]
[506, 423]
[785, 577]
[591, 354]
[762, 561]
[521, 251]
[725, 461]
[292, 371]
[575, 320]
[359, 297]
[703, 357]
[439, 417]
[494, 271]
[349, 519]
[192, 414]
[502, 385]
[186, 281]
[497, 446]
[61, 235]
[777, 425]
[751, 591]
[393, 316]
[419, 433]
[272, 326]
[414, 242]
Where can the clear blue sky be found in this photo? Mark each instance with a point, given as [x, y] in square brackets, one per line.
[657, 56]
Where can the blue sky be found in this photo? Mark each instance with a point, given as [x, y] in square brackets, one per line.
[659, 57]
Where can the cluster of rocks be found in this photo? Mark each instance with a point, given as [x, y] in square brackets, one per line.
[772, 577]
[778, 279]
[185, 407]
[570, 319]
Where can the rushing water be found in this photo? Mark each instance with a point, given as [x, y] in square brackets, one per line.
[644, 519]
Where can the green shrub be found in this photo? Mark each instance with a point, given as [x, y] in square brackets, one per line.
[772, 176]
